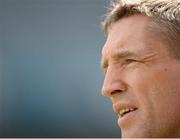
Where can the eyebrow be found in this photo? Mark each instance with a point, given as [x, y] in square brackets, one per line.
[117, 56]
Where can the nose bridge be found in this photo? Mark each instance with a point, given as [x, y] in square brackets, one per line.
[113, 82]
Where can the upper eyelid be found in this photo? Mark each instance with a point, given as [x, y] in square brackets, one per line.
[105, 64]
[118, 57]
[133, 59]
[123, 61]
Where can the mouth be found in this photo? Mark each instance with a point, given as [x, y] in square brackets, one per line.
[123, 111]
[128, 113]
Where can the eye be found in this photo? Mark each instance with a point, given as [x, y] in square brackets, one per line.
[128, 61]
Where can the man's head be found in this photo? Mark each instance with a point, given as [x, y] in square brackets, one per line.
[141, 60]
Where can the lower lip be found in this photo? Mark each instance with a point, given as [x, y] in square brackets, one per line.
[127, 118]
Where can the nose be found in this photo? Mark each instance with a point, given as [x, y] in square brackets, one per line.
[113, 83]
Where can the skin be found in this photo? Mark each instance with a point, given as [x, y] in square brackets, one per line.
[140, 71]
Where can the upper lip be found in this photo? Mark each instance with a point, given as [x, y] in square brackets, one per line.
[119, 106]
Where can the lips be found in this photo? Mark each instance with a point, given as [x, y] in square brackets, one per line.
[123, 109]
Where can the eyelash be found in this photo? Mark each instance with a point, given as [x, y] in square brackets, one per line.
[128, 61]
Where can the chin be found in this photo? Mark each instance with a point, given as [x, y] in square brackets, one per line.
[136, 134]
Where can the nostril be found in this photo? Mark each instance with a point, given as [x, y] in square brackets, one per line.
[116, 92]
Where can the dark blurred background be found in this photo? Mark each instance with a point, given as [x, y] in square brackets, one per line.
[50, 76]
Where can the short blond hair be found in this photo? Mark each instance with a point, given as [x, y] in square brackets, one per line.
[165, 15]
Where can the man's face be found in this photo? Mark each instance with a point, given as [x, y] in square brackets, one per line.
[142, 79]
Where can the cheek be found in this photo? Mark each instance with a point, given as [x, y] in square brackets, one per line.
[158, 94]
[143, 86]
[150, 87]
[154, 84]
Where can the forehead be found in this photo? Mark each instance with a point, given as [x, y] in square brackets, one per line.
[129, 33]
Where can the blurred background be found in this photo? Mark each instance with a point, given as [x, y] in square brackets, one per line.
[50, 75]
